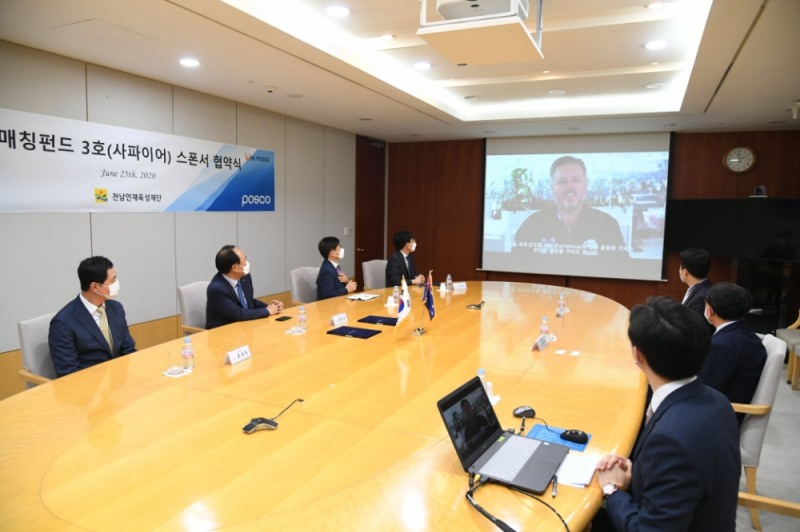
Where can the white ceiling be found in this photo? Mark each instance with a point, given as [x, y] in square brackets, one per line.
[745, 75]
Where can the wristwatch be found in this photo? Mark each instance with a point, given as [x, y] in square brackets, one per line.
[609, 490]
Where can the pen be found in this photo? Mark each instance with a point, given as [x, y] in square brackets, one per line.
[555, 485]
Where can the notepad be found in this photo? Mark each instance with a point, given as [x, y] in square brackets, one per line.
[354, 332]
[362, 297]
[379, 320]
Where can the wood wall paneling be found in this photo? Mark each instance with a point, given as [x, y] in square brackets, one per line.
[441, 186]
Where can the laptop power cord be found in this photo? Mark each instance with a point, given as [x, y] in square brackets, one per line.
[502, 525]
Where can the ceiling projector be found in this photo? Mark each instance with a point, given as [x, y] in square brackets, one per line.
[458, 9]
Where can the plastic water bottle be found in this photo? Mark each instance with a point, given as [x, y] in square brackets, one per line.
[544, 328]
[562, 302]
[482, 376]
[396, 296]
[187, 353]
[449, 282]
[301, 317]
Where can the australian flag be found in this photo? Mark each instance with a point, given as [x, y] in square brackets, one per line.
[427, 295]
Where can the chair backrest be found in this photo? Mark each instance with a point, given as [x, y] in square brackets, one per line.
[304, 284]
[754, 427]
[192, 305]
[374, 273]
[33, 335]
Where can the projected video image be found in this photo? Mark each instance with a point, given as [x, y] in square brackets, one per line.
[593, 214]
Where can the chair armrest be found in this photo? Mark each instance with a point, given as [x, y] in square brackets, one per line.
[758, 410]
[188, 329]
[768, 504]
[33, 378]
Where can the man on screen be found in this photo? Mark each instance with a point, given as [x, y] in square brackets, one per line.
[568, 227]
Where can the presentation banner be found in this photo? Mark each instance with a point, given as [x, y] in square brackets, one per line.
[51, 164]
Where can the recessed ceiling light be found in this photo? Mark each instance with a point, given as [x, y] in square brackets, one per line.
[655, 86]
[556, 92]
[422, 65]
[190, 62]
[387, 37]
[337, 11]
[656, 45]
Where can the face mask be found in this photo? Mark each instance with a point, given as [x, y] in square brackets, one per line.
[341, 253]
[413, 246]
[246, 268]
[113, 290]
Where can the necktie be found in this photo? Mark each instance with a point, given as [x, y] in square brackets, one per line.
[648, 415]
[101, 311]
[688, 293]
[239, 291]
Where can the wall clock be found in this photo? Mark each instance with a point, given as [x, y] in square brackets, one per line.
[739, 160]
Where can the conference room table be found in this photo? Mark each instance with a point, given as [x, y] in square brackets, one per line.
[120, 446]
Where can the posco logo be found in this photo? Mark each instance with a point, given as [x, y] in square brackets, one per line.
[255, 200]
[249, 157]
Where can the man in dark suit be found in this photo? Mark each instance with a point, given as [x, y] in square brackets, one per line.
[737, 355]
[229, 297]
[684, 470]
[331, 280]
[401, 262]
[693, 271]
[91, 328]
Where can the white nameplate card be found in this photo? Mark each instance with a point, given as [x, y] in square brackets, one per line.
[540, 344]
[460, 286]
[339, 319]
[238, 355]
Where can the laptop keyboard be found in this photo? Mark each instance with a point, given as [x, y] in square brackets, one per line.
[511, 457]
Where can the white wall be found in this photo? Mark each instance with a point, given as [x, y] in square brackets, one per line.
[155, 253]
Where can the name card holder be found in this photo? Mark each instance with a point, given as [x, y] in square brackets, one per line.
[540, 344]
[337, 320]
[460, 286]
[238, 355]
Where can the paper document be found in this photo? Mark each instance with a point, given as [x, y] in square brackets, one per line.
[577, 469]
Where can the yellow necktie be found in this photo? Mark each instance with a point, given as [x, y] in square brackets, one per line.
[101, 310]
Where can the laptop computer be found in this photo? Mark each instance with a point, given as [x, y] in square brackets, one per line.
[482, 445]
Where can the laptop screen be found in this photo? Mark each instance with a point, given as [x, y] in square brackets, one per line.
[470, 421]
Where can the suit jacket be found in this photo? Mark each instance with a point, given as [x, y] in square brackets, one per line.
[328, 283]
[396, 269]
[686, 467]
[697, 299]
[734, 363]
[223, 305]
[76, 341]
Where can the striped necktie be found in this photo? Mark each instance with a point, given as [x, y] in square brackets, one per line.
[239, 291]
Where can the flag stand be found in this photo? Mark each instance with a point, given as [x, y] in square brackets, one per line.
[419, 331]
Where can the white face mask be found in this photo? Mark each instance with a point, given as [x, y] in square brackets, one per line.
[113, 290]
[246, 268]
[341, 253]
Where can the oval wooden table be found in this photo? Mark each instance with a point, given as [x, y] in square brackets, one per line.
[121, 447]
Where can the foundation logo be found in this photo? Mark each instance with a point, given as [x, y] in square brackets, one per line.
[101, 195]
